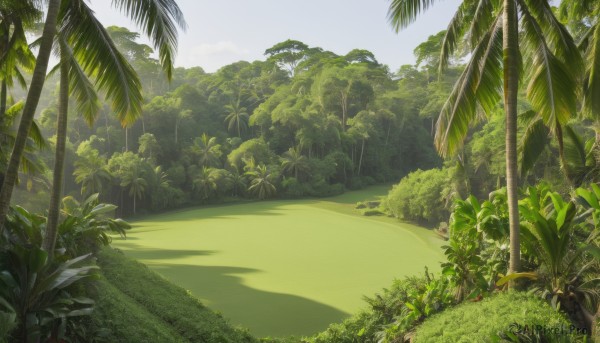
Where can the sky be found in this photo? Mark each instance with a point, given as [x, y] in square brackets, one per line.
[221, 32]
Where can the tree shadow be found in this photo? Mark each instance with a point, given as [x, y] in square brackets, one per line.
[264, 313]
[141, 253]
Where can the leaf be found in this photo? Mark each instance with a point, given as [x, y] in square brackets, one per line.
[514, 276]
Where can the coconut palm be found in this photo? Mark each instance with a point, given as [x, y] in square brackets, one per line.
[207, 150]
[205, 183]
[86, 49]
[92, 173]
[236, 118]
[293, 162]
[33, 97]
[159, 19]
[15, 16]
[132, 178]
[503, 35]
[261, 183]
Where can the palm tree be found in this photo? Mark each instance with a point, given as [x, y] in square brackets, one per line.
[237, 118]
[14, 17]
[132, 178]
[92, 173]
[33, 97]
[86, 49]
[205, 183]
[208, 151]
[157, 18]
[492, 30]
[294, 162]
[261, 184]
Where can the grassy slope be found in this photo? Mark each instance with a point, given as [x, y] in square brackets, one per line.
[137, 305]
[282, 267]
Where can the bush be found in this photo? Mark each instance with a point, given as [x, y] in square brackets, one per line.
[483, 321]
[421, 196]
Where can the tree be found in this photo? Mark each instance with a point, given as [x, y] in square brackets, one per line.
[236, 118]
[91, 170]
[287, 54]
[15, 16]
[207, 151]
[294, 162]
[493, 30]
[261, 184]
[132, 178]
[205, 183]
[33, 97]
[87, 49]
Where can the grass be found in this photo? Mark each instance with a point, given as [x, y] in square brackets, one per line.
[137, 305]
[282, 268]
[480, 321]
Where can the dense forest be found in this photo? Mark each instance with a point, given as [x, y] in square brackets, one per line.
[492, 138]
[305, 122]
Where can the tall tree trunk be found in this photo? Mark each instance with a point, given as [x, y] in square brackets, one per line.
[362, 150]
[3, 95]
[134, 204]
[59, 157]
[511, 89]
[126, 138]
[33, 98]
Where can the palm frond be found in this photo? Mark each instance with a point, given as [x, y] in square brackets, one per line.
[158, 19]
[552, 89]
[534, 141]
[591, 87]
[480, 83]
[404, 12]
[484, 15]
[98, 56]
[80, 86]
[557, 36]
[455, 31]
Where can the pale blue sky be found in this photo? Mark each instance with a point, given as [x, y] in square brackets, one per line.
[224, 31]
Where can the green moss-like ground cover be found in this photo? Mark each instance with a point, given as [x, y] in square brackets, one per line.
[135, 305]
[282, 267]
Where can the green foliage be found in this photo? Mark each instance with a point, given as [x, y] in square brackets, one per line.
[421, 196]
[161, 301]
[87, 226]
[484, 320]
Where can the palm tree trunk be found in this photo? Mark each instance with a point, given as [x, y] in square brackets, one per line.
[362, 150]
[3, 95]
[134, 204]
[59, 159]
[511, 89]
[33, 98]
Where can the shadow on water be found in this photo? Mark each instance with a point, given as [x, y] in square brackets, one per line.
[141, 253]
[264, 313]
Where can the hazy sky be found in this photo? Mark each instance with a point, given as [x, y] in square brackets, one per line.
[224, 31]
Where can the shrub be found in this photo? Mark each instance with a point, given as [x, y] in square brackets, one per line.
[421, 196]
[483, 321]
